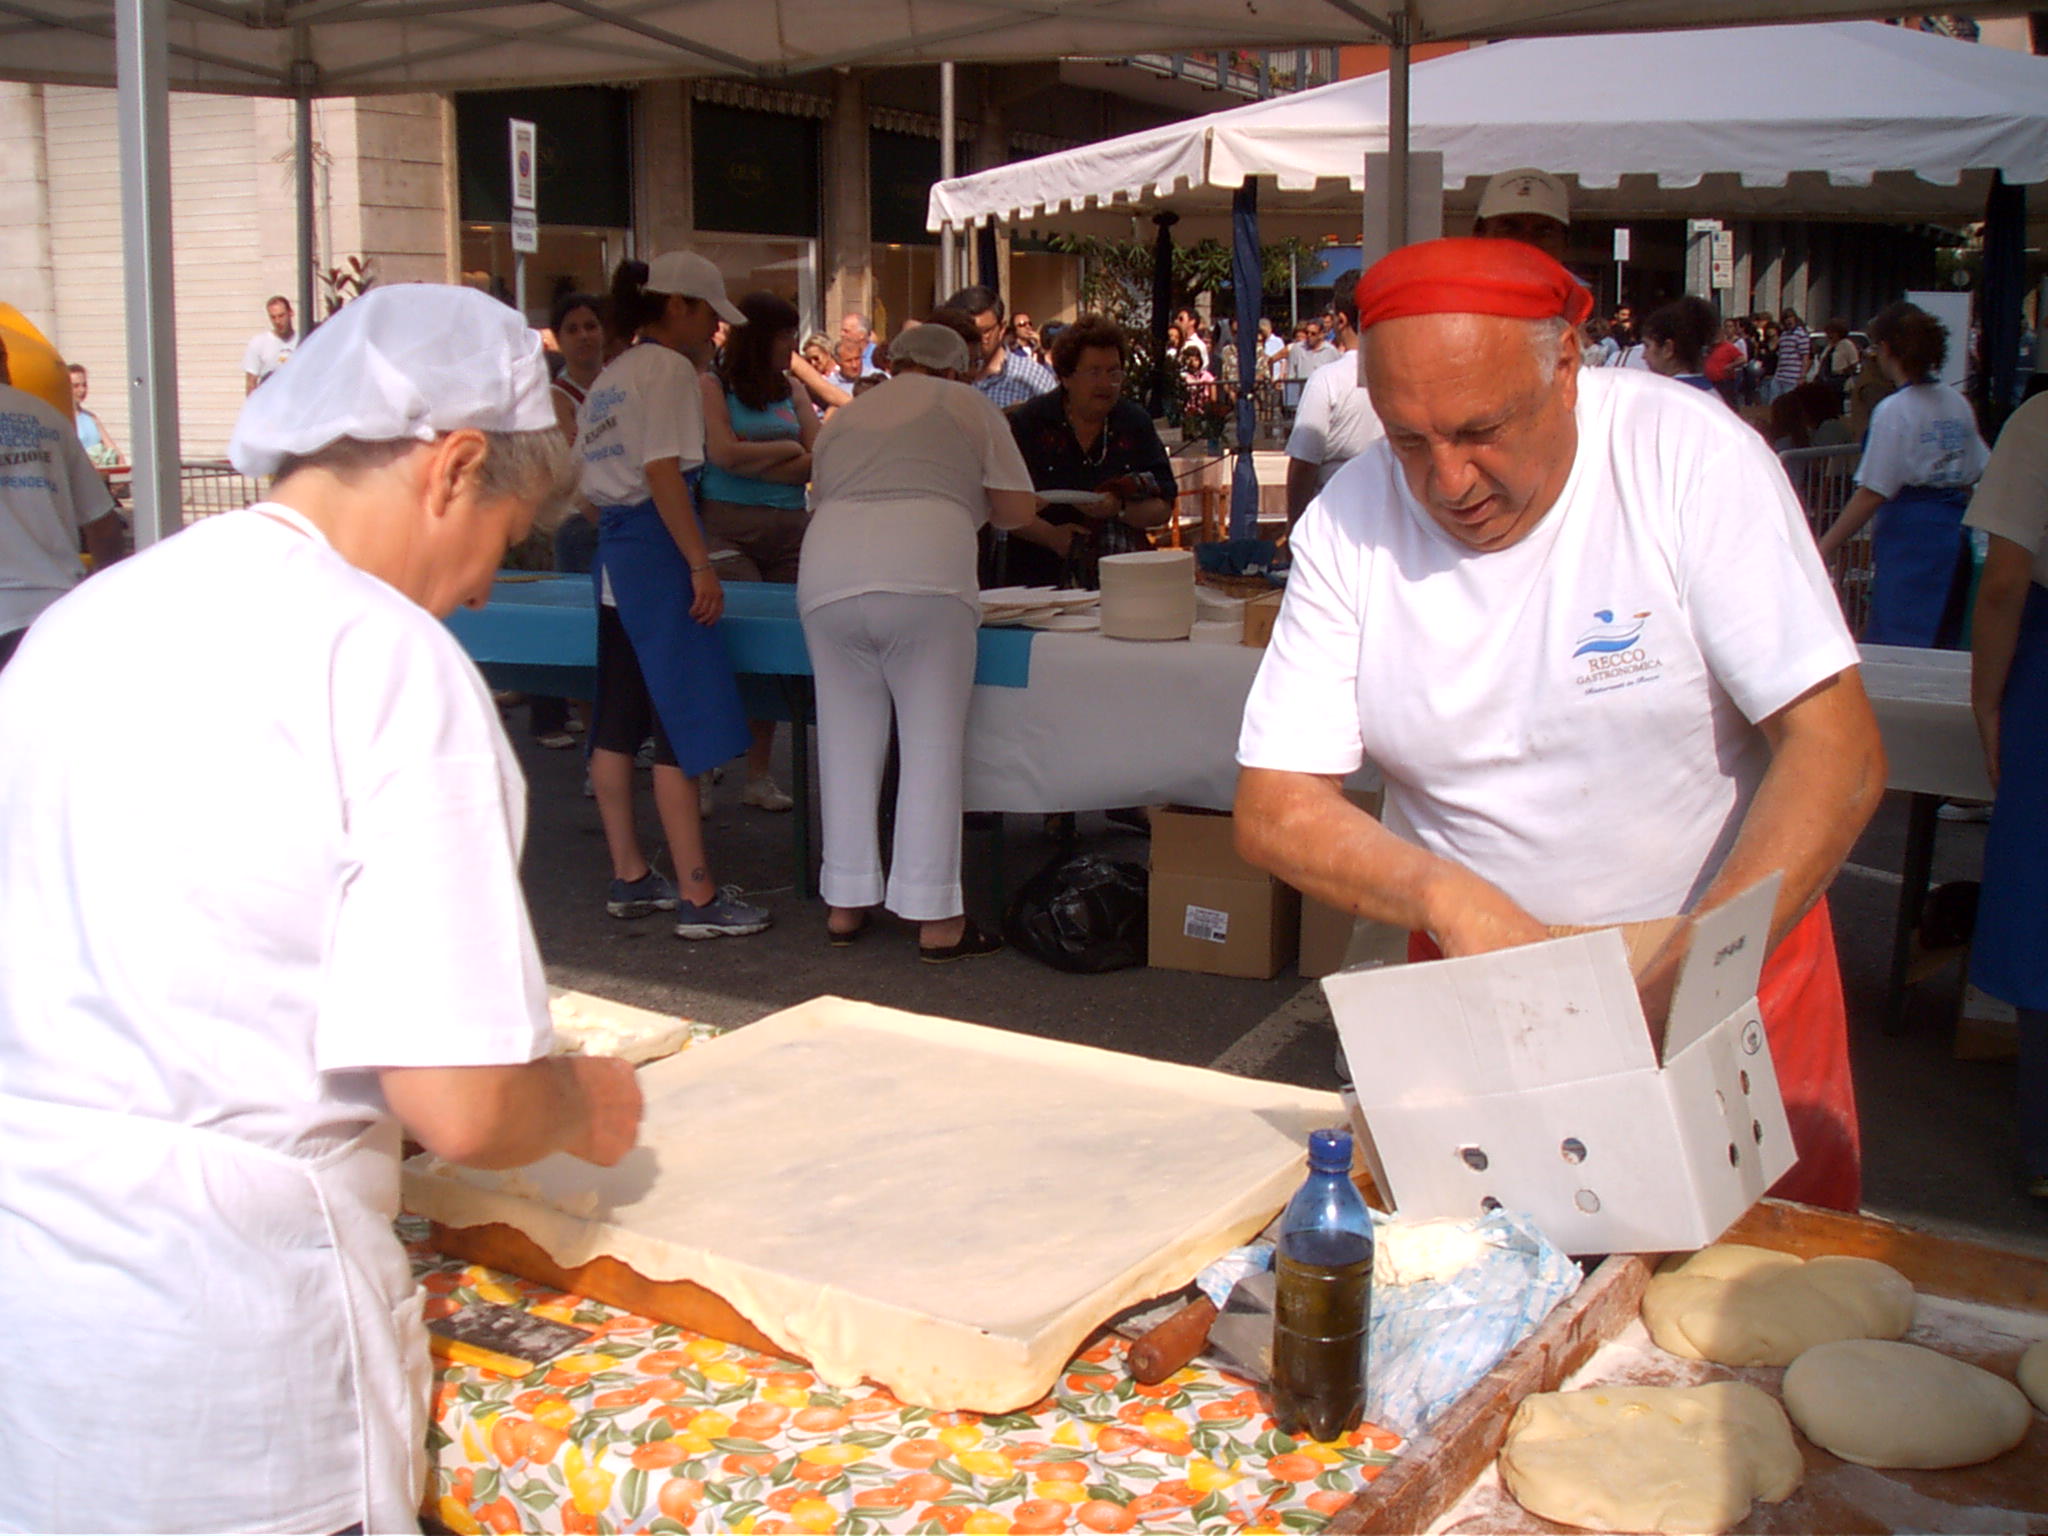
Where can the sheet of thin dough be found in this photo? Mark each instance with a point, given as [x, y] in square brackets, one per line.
[940, 1207]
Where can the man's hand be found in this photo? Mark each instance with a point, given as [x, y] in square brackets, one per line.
[1471, 916]
[612, 1103]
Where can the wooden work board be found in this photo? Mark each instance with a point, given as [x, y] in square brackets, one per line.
[1437, 1474]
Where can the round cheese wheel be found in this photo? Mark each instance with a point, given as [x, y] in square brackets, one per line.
[1885, 1404]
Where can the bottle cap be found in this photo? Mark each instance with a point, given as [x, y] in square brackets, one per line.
[1329, 1151]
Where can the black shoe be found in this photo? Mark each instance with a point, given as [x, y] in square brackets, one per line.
[851, 936]
[972, 944]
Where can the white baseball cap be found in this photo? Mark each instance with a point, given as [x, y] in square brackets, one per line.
[414, 360]
[1526, 190]
[694, 277]
[938, 347]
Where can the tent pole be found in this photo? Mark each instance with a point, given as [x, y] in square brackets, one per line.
[143, 88]
[1247, 278]
[302, 187]
[1999, 305]
[1397, 131]
[948, 153]
[1162, 299]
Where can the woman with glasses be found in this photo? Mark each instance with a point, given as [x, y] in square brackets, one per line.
[1086, 436]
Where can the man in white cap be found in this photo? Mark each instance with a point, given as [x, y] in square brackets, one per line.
[1527, 205]
[236, 976]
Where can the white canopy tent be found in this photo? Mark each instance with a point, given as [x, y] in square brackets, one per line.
[1839, 119]
[307, 48]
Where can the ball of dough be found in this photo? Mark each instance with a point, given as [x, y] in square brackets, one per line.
[1649, 1458]
[1738, 1305]
[1897, 1405]
[1415, 1252]
[2033, 1374]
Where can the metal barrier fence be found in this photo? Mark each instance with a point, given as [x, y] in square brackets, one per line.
[205, 487]
[1824, 479]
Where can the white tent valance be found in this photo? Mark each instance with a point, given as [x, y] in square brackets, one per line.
[1801, 118]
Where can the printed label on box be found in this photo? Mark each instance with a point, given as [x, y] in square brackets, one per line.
[1206, 923]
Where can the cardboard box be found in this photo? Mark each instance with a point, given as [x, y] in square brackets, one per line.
[1529, 1078]
[1259, 614]
[1210, 911]
[1986, 1029]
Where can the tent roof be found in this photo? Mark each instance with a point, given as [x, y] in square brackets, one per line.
[359, 47]
[1813, 119]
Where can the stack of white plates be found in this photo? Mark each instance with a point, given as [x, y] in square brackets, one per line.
[1149, 595]
[1039, 607]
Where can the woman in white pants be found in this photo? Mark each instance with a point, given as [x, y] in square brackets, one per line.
[902, 479]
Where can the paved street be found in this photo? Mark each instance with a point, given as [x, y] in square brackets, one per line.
[1938, 1133]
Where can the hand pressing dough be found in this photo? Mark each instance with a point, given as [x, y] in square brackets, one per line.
[1649, 1458]
[1883, 1404]
[2033, 1374]
[1738, 1305]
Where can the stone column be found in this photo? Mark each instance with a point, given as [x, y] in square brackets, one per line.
[1770, 274]
[1740, 298]
[846, 251]
[664, 212]
[28, 271]
[1798, 271]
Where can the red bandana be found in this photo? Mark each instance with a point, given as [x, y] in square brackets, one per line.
[1470, 277]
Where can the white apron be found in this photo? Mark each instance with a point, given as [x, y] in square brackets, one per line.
[281, 1377]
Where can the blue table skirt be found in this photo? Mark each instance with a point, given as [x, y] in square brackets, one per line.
[539, 634]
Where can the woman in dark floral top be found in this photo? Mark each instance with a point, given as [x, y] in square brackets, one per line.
[1085, 436]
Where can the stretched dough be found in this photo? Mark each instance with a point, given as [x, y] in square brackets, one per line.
[1738, 1305]
[1884, 1404]
[1676, 1459]
[2033, 1374]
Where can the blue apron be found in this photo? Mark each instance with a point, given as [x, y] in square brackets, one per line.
[1918, 544]
[688, 675]
[2009, 955]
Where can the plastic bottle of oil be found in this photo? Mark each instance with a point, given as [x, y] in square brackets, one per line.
[1323, 1266]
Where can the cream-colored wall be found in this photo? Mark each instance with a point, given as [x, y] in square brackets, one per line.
[381, 191]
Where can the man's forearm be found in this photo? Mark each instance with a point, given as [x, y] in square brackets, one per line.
[489, 1117]
[1303, 481]
[1825, 780]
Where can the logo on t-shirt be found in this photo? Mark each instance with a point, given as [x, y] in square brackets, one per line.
[1613, 654]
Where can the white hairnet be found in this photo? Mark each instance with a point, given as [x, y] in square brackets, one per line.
[931, 346]
[411, 361]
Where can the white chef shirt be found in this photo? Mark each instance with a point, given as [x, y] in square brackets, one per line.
[1569, 717]
[1924, 434]
[49, 491]
[899, 485]
[1335, 421]
[645, 406]
[2012, 498]
[259, 836]
[266, 353]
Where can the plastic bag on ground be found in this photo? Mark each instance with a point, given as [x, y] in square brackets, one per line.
[1084, 914]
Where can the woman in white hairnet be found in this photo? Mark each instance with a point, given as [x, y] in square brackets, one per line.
[236, 966]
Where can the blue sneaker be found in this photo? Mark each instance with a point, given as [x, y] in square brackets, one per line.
[639, 898]
[724, 916]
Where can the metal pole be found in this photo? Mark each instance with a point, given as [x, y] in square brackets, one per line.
[1293, 293]
[948, 153]
[1397, 133]
[142, 71]
[302, 186]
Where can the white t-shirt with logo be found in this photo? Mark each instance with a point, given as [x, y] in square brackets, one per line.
[49, 491]
[266, 353]
[645, 406]
[1570, 717]
[1335, 421]
[1924, 434]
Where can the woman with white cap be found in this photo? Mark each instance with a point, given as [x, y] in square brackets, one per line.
[661, 670]
[902, 480]
[235, 973]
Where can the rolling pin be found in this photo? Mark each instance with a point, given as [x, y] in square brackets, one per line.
[1164, 1349]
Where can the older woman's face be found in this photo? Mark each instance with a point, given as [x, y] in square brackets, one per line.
[1096, 382]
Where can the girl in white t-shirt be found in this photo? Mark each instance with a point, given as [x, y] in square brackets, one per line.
[1923, 455]
[902, 480]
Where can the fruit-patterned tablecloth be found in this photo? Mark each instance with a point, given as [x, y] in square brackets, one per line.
[650, 1427]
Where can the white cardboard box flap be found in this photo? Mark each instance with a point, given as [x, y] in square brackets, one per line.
[1722, 964]
[1458, 1029]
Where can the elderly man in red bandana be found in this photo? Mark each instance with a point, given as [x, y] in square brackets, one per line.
[1578, 622]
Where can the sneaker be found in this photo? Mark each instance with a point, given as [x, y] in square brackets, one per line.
[554, 740]
[589, 789]
[644, 758]
[764, 794]
[1963, 810]
[726, 915]
[639, 898]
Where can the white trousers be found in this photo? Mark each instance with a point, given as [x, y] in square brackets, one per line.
[915, 652]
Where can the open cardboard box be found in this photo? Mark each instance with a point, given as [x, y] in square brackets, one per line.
[1530, 1078]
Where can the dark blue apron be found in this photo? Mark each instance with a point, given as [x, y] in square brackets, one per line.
[688, 675]
[2009, 956]
[1918, 544]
